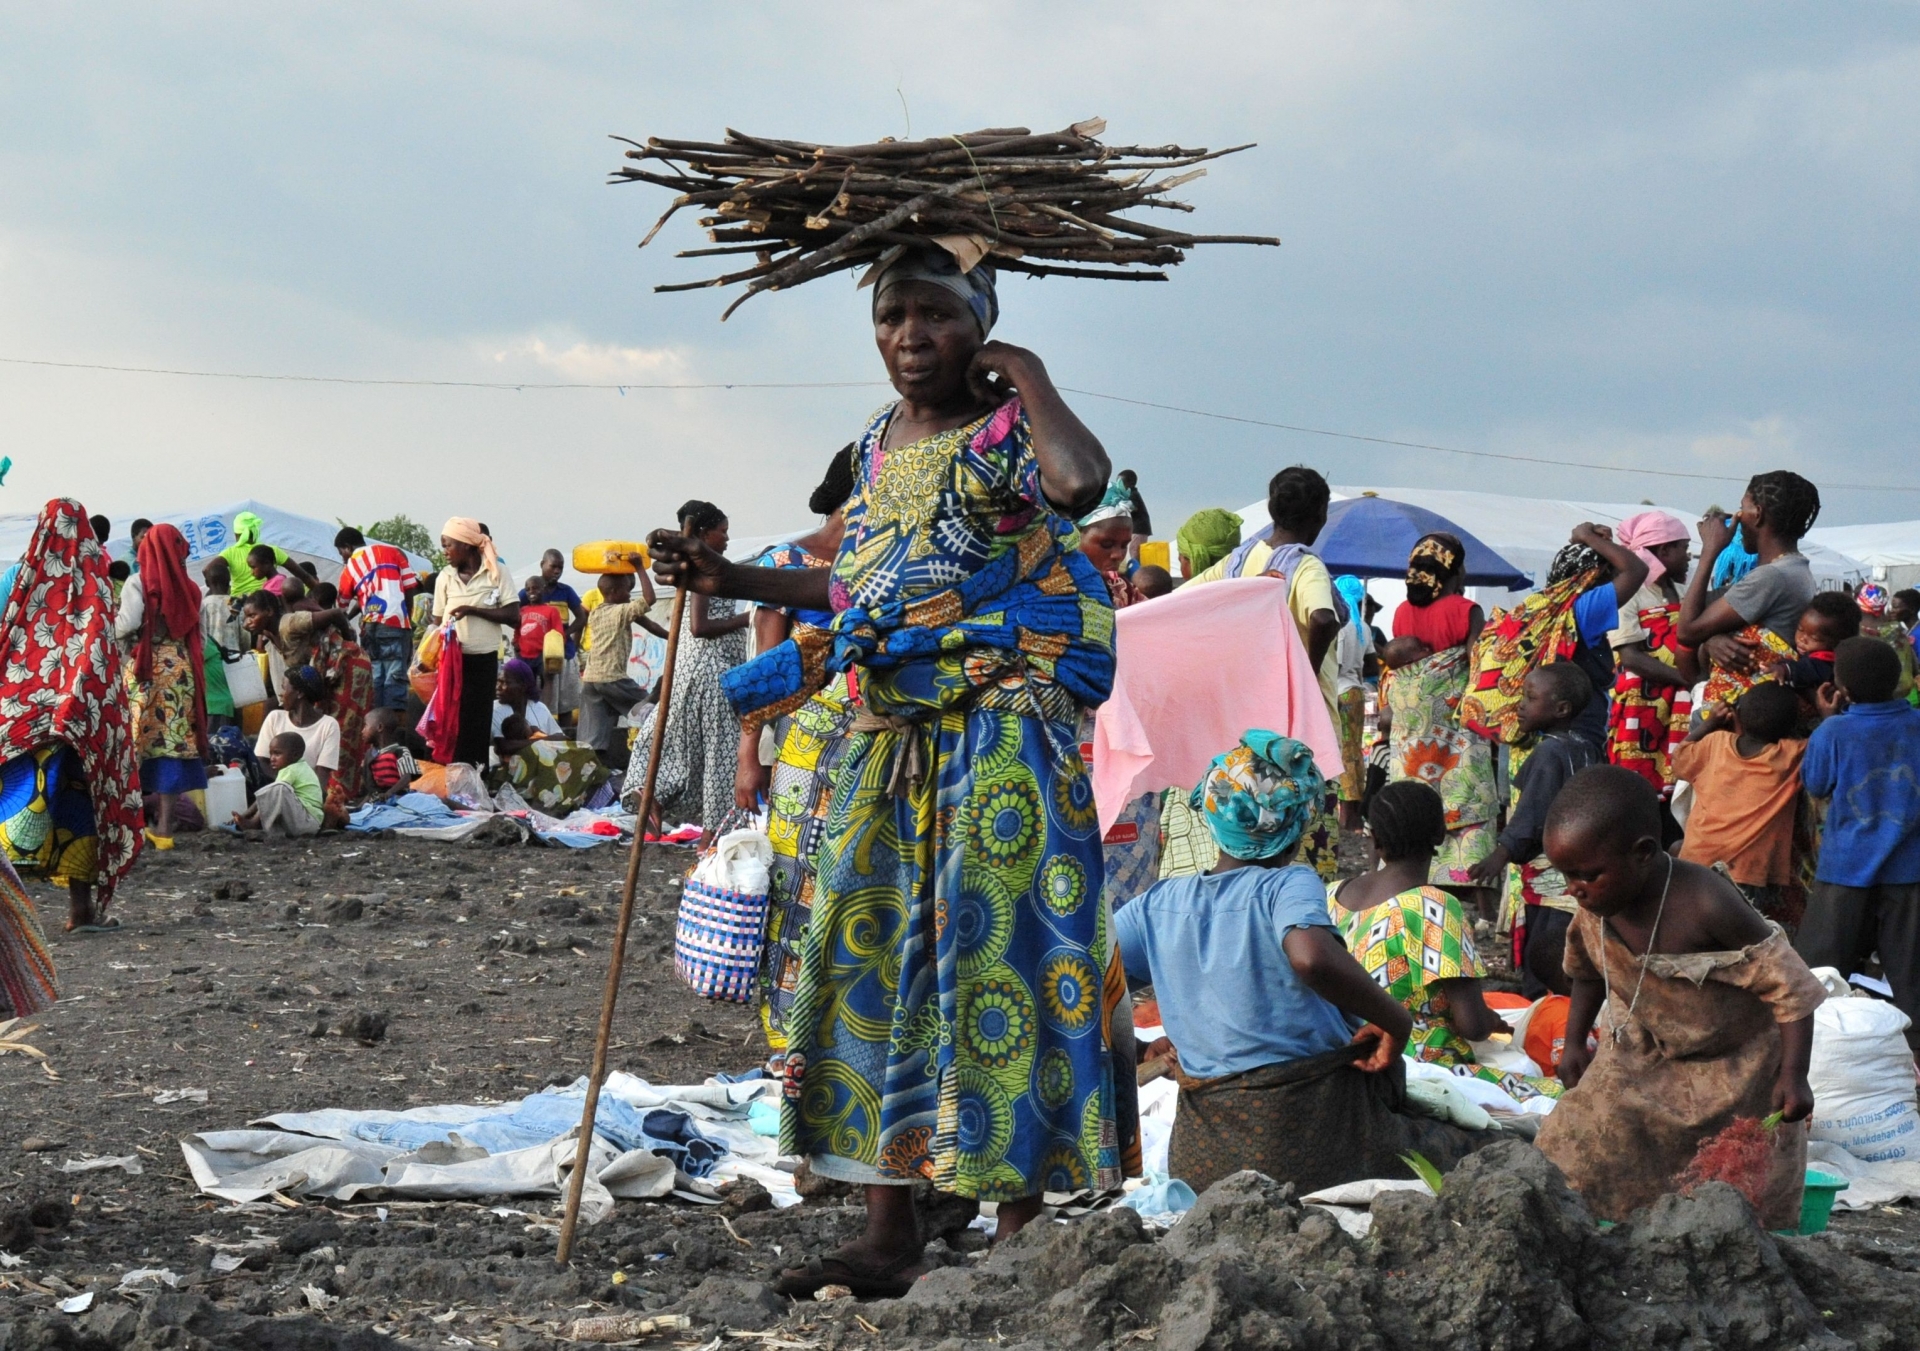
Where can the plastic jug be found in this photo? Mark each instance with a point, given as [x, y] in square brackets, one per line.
[226, 794]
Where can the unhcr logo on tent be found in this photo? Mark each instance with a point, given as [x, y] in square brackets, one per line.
[205, 537]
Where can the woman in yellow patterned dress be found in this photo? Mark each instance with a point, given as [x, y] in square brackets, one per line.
[160, 615]
[958, 980]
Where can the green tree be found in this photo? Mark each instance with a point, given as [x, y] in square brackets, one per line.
[404, 532]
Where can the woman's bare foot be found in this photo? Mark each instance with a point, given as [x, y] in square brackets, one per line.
[79, 905]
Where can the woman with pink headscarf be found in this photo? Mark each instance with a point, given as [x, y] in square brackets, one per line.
[1652, 692]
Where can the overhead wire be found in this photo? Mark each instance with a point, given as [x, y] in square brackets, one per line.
[622, 386]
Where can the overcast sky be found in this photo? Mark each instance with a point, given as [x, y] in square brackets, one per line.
[1646, 236]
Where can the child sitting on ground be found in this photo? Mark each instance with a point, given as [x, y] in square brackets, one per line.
[1551, 699]
[393, 754]
[1865, 756]
[1828, 621]
[294, 801]
[1744, 765]
[1709, 1010]
[1416, 940]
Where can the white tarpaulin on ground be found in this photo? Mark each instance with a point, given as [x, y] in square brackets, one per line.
[422, 1154]
[1529, 531]
[209, 530]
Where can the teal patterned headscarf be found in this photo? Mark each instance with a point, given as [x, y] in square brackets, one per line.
[1260, 797]
[1115, 503]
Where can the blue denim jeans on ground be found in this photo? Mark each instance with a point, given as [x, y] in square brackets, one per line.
[389, 649]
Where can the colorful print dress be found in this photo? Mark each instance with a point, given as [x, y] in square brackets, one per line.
[1428, 744]
[164, 736]
[811, 741]
[702, 747]
[1409, 943]
[952, 1015]
[1644, 724]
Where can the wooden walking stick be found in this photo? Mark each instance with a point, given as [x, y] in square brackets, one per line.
[617, 959]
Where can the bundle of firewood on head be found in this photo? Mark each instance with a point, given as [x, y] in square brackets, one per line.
[1048, 205]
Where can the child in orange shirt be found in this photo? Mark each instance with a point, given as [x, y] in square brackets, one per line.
[1744, 766]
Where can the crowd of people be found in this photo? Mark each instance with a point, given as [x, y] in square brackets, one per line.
[1676, 782]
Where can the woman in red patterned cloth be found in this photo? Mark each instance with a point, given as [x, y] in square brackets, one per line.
[1652, 691]
[69, 786]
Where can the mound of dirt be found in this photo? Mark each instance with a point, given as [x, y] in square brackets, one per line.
[1506, 1258]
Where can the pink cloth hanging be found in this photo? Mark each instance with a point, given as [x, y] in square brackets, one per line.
[1195, 670]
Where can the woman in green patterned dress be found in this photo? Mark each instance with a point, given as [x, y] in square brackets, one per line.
[952, 1017]
[1416, 940]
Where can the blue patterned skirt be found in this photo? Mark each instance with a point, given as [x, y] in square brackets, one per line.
[952, 1015]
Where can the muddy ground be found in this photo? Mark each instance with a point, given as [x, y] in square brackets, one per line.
[238, 965]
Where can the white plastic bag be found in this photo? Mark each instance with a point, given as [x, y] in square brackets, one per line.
[1863, 1077]
[740, 861]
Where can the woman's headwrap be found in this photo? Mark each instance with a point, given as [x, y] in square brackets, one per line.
[468, 531]
[1354, 592]
[1434, 561]
[1116, 504]
[247, 528]
[1574, 559]
[936, 265]
[1873, 600]
[1260, 797]
[521, 670]
[1641, 531]
[1209, 535]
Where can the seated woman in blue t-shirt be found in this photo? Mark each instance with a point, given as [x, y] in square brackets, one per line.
[1288, 1053]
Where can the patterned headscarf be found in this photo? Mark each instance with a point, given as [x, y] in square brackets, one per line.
[1872, 598]
[1209, 535]
[1260, 797]
[1116, 504]
[1642, 530]
[1434, 561]
[936, 265]
[60, 678]
[468, 531]
[1574, 560]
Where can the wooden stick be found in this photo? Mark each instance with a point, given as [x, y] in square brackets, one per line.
[617, 958]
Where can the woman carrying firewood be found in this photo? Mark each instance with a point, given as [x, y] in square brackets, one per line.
[958, 979]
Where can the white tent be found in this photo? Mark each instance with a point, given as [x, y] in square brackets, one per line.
[1529, 531]
[209, 531]
[1889, 549]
